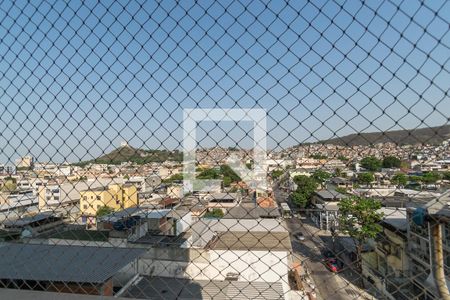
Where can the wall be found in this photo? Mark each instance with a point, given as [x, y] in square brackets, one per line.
[259, 266]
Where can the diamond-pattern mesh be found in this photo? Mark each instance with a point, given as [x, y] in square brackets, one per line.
[225, 149]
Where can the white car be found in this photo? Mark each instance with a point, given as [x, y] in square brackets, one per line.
[299, 236]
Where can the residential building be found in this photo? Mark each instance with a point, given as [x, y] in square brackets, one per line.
[175, 191]
[223, 200]
[54, 195]
[115, 196]
[420, 241]
[31, 226]
[326, 213]
[387, 267]
[25, 162]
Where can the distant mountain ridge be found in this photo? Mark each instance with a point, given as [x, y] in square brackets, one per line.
[430, 135]
[139, 156]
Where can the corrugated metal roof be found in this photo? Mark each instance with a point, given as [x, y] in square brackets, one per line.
[24, 221]
[183, 289]
[63, 263]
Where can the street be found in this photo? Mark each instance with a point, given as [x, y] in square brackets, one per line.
[329, 285]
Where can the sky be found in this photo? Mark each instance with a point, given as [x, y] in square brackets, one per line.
[77, 79]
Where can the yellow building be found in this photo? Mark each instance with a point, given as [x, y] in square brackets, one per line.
[115, 196]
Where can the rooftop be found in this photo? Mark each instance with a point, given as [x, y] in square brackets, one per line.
[63, 263]
[204, 230]
[79, 234]
[251, 212]
[395, 217]
[273, 241]
[24, 221]
[330, 195]
[163, 288]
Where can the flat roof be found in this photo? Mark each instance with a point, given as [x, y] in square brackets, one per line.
[144, 213]
[165, 288]
[253, 212]
[204, 230]
[396, 217]
[163, 240]
[272, 241]
[60, 263]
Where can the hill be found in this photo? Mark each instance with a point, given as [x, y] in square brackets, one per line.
[430, 135]
[138, 156]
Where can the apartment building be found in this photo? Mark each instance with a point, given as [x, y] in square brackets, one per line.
[386, 267]
[420, 245]
[115, 196]
[25, 162]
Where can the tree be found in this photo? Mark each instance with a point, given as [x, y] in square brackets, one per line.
[338, 172]
[227, 171]
[446, 175]
[226, 181]
[371, 163]
[415, 178]
[342, 158]
[215, 213]
[399, 179]
[366, 178]
[276, 174]
[306, 186]
[103, 211]
[300, 199]
[360, 218]
[209, 174]
[321, 176]
[391, 162]
[174, 177]
[431, 177]
[318, 156]
[9, 186]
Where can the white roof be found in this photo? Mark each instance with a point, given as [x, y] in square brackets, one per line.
[205, 229]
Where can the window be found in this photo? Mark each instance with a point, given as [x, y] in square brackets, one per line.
[85, 206]
[84, 198]
[99, 198]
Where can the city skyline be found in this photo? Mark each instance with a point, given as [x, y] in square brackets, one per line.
[319, 70]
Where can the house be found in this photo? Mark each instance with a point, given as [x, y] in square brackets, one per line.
[53, 195]
[30, 226]
[327, 214]
[137, 224]
[266, 202]
[251, 251]
[223, 200]
[175, 191]
[114, 196]
[342, 183]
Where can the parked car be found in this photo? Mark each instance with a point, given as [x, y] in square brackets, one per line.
[299, 236]
[332, 264]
